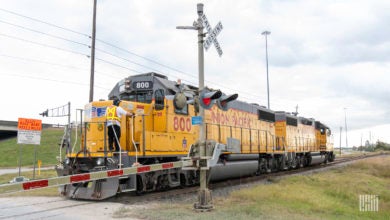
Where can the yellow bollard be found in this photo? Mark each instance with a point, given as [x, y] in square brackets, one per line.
[39, 167]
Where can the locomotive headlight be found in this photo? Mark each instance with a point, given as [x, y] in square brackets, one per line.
[99, 161]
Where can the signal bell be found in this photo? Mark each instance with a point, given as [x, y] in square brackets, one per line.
[223, 102]
[207, 98]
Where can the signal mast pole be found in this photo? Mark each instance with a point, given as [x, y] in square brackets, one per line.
[204, 197]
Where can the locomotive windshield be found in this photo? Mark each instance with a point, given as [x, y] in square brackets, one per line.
[138, 96]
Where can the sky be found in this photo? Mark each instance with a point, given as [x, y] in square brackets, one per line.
[329, 58]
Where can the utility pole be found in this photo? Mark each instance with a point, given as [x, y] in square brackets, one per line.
[370, 138]
[91, 82]
[341, 128]
[266, 33]
[346, 129]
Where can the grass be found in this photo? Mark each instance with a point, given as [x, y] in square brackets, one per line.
[52, 191]
[333, 194]
[46, 151]
[353, 153]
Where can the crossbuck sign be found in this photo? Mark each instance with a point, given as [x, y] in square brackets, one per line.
[213, 33]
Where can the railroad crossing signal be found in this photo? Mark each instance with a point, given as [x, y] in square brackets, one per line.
[207, 98]
[213, 33]
[223, 102]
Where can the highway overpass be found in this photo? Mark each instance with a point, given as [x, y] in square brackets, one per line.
[8, 129]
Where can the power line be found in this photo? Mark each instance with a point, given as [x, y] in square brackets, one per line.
[150, 60]
[40, 61]
[171, 68]
[138, 64]
[41, 44]
[114, 46]
[127, 51]
[45, 45]
[111, 54]
[52, 80]
[102, 41]
[127, 60]
[111, 63]
[44, 22]
[40, 32]
[103, 51]
[114, 64]
[55, 64]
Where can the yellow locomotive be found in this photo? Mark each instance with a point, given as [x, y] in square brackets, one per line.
[243, 139]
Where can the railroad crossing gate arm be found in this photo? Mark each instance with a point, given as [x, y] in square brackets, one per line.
[85, 177]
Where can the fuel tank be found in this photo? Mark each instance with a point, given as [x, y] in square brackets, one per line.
[317, 158]
[233, 169]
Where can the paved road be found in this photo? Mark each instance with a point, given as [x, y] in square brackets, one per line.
[24, 169]
[59, 208]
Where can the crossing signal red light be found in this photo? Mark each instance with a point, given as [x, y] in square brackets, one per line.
[223, 101]
[207, 98]
[206, 101]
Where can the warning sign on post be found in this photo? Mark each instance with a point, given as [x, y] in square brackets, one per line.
[29, 131]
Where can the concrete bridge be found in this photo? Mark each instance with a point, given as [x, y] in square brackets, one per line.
[8, 129]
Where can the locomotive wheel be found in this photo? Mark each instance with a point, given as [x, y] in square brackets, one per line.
[140, 186]
[294, 163]
[263, 166]
[301, 162]
[331, 157]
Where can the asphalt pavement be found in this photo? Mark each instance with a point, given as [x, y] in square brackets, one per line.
[23, 169]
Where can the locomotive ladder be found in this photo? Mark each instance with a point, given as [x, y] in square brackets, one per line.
[85, 177]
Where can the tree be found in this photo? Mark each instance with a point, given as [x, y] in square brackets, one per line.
[382, 146]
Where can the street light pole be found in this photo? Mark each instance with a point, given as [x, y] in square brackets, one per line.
[341, 128]
[266, 33]
[346, 130]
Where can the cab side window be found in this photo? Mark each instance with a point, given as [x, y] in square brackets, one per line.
[159, 96]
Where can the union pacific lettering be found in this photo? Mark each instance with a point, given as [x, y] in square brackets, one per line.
[231, 118]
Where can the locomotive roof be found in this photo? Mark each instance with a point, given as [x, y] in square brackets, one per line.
[171, 87]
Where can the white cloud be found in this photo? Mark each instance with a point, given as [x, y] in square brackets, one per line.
[323, 55]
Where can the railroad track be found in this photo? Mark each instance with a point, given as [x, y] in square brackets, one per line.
[58, 207]
[190, 193]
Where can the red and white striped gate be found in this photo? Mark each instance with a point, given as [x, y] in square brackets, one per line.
[64, 180]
